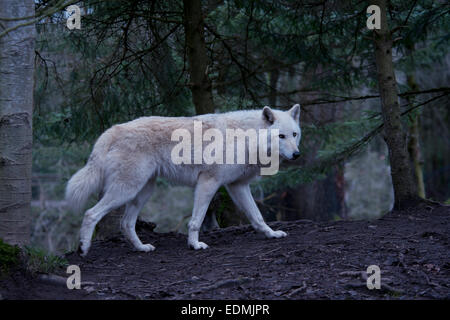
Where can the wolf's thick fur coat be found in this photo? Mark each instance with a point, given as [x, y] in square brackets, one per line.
[127, 159]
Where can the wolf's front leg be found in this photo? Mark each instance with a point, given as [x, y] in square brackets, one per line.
[242, 197]
[204, 192]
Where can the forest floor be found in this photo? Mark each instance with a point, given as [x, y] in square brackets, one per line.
[315, 261]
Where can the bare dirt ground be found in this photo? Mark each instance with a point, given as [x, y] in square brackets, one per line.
[315, 261]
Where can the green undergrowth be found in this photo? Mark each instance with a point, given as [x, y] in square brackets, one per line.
[39, 261]
[9, 257]
[33, 260]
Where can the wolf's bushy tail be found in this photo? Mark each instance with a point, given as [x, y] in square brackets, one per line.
[82, 184]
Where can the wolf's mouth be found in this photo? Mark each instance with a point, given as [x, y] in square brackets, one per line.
[287, 158]
[292, 158]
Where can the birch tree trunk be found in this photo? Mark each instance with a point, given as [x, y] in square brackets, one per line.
[404, 187]
[16, 107]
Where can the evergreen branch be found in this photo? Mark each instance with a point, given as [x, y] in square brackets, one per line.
[338, 157]
[349, 151]
[243, 69]
[403, 94]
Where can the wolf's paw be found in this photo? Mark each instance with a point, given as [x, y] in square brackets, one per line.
[83, 248]
[198, 245]
[145, 248]
[276, 234]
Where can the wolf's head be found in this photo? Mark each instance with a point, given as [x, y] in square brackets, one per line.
[288, 125]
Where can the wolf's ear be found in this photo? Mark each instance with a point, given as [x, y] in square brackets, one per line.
[295, 112]
[268, 115]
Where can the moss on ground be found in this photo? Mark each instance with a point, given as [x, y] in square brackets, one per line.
[9, 256]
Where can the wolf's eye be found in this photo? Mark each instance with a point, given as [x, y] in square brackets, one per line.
[294, 134]
[282, 136]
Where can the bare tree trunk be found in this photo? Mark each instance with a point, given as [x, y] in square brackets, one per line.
[415, 154]
[339, 182]
[413, 143]
[403, 182]
[16, 109]
[274, 76]
[200, 83]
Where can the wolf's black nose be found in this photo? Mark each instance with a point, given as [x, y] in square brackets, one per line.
[295, 155]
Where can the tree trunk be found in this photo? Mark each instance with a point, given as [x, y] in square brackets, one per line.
[200, 83]
[274, 76]
[404, 187]
[413, 143]
[16, 110]
[415, 154]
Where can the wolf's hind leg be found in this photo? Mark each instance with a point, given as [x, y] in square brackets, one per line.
[132, 210]
[113, 198]
[241, 195]
[204, 192]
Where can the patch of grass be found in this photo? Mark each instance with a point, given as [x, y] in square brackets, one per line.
[39, 261]
[395, 294]
[9, 256]
[35, 260]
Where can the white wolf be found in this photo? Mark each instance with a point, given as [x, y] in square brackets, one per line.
[127, 158]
